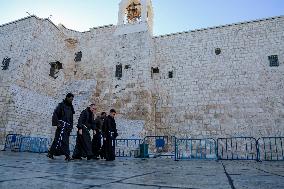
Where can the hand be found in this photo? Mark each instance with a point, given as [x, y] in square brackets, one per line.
[94, 132]
[80, 132]
[105, 139]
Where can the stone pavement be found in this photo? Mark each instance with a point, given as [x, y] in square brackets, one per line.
[30, 170]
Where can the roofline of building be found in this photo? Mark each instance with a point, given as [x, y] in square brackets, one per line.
[28, 17]
[159, 36]
[221, 26]
[15, 21]
[47, 19]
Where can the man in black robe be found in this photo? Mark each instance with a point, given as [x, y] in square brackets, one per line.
[109, 135]
[96, 142]
[62, 119]
[86, 122]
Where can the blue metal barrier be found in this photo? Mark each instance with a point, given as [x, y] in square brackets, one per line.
[123, 147]
[160, 146]
[34, 144]
[237, 148]
[127, 147]
[271, 148]
[13, 142]
[186, 149]
[72, 142]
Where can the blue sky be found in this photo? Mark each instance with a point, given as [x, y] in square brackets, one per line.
[170, 15]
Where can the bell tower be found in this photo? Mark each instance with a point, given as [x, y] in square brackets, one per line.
[137, 15]
[131, 57]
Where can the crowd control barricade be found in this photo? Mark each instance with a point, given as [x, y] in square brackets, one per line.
[234, 148]
[72, 142]
[13, 142]
[186, 149]
[34, 144]
[237, 148]
[159, 146]
[271, 148]
[127, 147]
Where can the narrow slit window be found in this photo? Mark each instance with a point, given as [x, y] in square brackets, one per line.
[118, 71]
[171, 74]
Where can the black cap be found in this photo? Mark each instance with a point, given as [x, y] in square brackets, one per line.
[112, 110]
[69, 95]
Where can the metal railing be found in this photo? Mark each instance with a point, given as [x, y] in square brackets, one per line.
[195, 149]
[72, 142]
[13, 142]
[234, 148]
[271, 148]
[160, 146]
[127, 147]
[237, 148]
[34, 144]
[123, 147]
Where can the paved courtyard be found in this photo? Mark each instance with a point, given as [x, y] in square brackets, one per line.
[31, 170]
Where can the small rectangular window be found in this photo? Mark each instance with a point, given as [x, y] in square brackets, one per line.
[118, 71]
[273, 61]
[171, 74]
[78, 56]
[54, 69]
[155, 70]
[5, 63]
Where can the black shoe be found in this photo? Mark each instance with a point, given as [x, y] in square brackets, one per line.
[109, 159]
[67, 158]
[102, 157]
[89, 157]
[96, 158]
[76, 158]
[49, 155]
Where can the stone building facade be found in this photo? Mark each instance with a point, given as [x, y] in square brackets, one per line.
[221, 81]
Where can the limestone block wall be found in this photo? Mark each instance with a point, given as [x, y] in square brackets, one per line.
[131, 93]
[203, 83]
[15, 37]
[96, 48]
[29, 93]
[30, 112]
[46, 46]
[235, 93]
[102, 50]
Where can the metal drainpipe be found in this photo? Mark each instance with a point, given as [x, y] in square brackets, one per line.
[155, 109]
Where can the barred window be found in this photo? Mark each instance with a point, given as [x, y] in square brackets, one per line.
[6, 63]
[273, 61]
[78, 56]
[118, 71]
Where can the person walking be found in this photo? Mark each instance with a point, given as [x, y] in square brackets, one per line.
[109, 135]
[86, 122]
[96, 142]
[62, 119]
